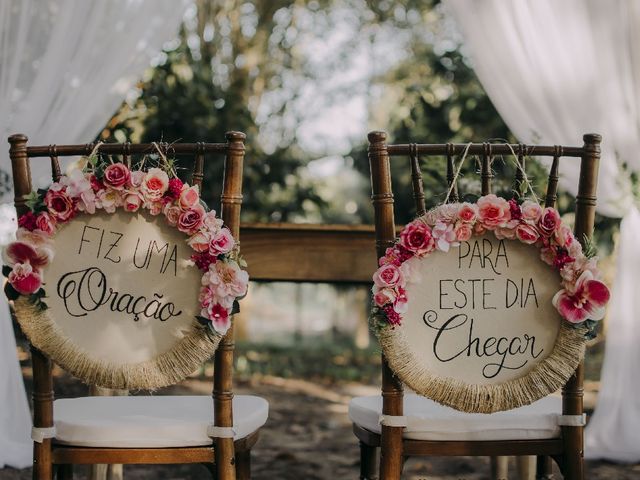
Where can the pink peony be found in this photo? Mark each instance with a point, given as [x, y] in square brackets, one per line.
[108, 200]
[587, 301]
[226, 279]
[155, 208]
[549, 221]
[59, 204]
[493, 211]
[468, 212]
[190, 220]
[508, 230]
[222, 242]
[388, 275]
[212, 222]
[417, 238]
[25, 279]
[531, 211]
[444, 236]
[46, 223]
[172, 212]
[189, 197]
[527, 233]
[154, 184]
[116, 176]
[463, 231]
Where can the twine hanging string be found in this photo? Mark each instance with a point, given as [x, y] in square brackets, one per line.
[525, 178]
[165, 160]
[457, 172]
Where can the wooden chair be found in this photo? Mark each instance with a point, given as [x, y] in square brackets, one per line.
[227, 458]
[566, 448]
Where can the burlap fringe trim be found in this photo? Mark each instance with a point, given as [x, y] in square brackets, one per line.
[166, 369]
[545, 378]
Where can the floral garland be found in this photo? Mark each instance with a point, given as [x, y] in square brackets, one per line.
[101, 185]
[582, 298]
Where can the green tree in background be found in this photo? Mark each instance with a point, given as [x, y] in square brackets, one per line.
[249, 66]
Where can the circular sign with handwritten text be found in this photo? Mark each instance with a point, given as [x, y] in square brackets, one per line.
[122, 286]
[483, 307]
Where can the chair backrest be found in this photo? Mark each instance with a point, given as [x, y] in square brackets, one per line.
[380, 154]
[231, 201]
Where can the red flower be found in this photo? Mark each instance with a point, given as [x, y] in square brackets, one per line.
[516, 212]
[175, 187]
[417, 238]
[28, 221]
[393, 317]
[60, 205]
[116, 176]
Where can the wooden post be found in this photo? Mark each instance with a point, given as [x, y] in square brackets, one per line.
[573, 391]
[391, 454]
[223, 363]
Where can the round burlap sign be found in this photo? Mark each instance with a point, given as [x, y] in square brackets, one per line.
[472, 317]
[122, 297]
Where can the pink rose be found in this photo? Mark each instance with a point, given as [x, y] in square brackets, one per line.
[493, 211]
[190, 220]
[564, 236]
[25, 279]
[388, 275]
[468, 212]
[60, 205]
[417, 238]
[116, 176]
[155, 208]
[199, 241]
[527, 233]
[382, 296]
[463, 231]
[506, 232]
[46, 223]
[172, 212]
[478, 228]
[132, 202]
[531, 211]
[154, 184]
[549, 221]
[189, 197]
[222, 242]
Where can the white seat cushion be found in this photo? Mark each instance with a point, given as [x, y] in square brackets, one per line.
[150, 421]
[428, 420]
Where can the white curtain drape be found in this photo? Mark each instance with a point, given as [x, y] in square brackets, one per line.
[65, 67]
[555, 70]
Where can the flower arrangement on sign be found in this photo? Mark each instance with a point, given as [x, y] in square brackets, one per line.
[582, 296]
[103, 185]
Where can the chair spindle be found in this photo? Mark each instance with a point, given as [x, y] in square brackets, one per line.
[416, 180]
[451, 180]
[55, 164]
[198, 169]
[552, 183]
[520, 169]
[485, 172]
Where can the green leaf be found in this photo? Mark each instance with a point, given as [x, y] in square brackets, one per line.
[34, 201]
[236, 307]
[203, 321]
[10, 292]
[590, 248]
[6, 270]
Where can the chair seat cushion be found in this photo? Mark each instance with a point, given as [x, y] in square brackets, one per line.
[150, 421]
[428, 420]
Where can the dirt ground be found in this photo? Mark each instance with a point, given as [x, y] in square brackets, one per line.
[308, 436]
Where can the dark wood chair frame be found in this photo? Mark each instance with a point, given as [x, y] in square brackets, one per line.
[224, 458]
[566, 450]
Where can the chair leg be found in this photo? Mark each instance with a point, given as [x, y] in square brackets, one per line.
[225, 459]
[243, 465]
[391, 454]
[65, 472]
[368, 462]
[544, 468]
[526, 467]
[499, 468]
[42, 465]
[573, 465]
